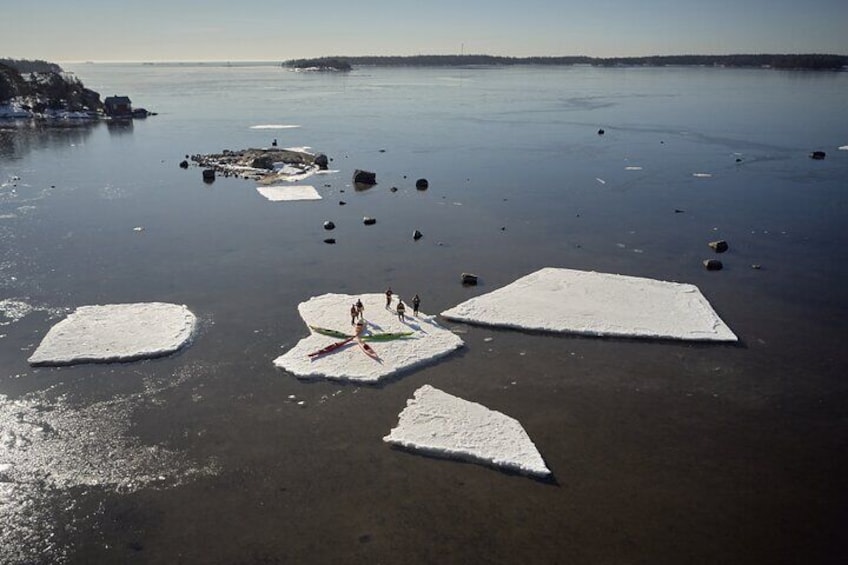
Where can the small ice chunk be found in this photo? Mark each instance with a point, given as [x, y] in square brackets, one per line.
[288, 193]
[702, 175]
[116, 332]
[600, 304]
[600, 180]
[632, 168]
[274, 126]
[844, 148]
[444, 425]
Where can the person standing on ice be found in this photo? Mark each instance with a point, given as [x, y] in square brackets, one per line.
[416, 302]
[401, 310]
[354, 312]
[388, 297]
[360, 309]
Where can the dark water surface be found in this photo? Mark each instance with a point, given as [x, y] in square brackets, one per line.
[662, 452]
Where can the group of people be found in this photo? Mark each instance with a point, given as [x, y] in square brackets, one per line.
[401, 307]
[357, 309]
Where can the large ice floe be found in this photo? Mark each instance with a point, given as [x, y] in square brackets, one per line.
[116, 332]
[598, 304]
[288, 193]
[437, 423]
[396, 346]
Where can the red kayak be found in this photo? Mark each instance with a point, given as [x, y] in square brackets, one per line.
[369, 351]
[360, 327]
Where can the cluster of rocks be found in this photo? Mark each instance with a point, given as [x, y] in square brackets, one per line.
[262, 165]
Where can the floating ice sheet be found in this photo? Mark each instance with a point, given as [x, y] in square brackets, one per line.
[275, 126]
[582, 302]
[116, 332]
[427, 342]
[437, 423]
[288, 193]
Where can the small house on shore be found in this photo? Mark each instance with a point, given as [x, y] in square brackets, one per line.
[118, 107]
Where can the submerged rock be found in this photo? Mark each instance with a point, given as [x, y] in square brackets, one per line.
[713, 265]
[468, 279]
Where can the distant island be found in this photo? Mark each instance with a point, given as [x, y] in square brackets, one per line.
[813, 61]
[40, 89]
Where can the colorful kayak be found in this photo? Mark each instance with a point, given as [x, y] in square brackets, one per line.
[369, 351]
[332, 347]
[372, 337]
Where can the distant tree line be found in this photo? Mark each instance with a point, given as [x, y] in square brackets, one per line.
[34, 66]
[781, 61]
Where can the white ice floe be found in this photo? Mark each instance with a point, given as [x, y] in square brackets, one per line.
[632, 168]
[844, 148]
[274, 126]
[582, 302]
[427, 342]
[288, 193]
[116, 332]
[702, 175]
[437, 423]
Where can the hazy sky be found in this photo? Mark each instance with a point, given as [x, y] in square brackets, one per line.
[157, 30]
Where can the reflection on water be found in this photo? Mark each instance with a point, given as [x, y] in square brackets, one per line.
[18, 137]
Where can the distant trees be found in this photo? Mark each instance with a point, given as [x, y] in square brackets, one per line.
[780, 61]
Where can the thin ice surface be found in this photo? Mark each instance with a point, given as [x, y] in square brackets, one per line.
[582, 302]
[428, 341]
[51, 452]
[438, 423]
[289, 193]
[116, 332]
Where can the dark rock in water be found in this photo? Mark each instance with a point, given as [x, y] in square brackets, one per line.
[468, 279]
[719, 246]
[263, 162]
[422, 184]
[416, 235]
[208, 175]
[364, 177]
[328, 225]
[342, 202]
[382, 150]
[394, 189]
[739, 159]
[330, 240]
[184, 164]
[601, 131]
[678, 211]
[756, 266]
[818, 155]
[713, 265]
[321, 161]
[369, 221]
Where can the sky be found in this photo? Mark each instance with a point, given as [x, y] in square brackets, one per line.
[268, 30]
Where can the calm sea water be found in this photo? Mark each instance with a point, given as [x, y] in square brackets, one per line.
[662, 452]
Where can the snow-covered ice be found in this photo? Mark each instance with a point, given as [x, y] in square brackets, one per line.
[275, 126]
[437, 423]
[584, 302]
[428, 340]
[116, 332]
[289, 193]
[843, 148]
